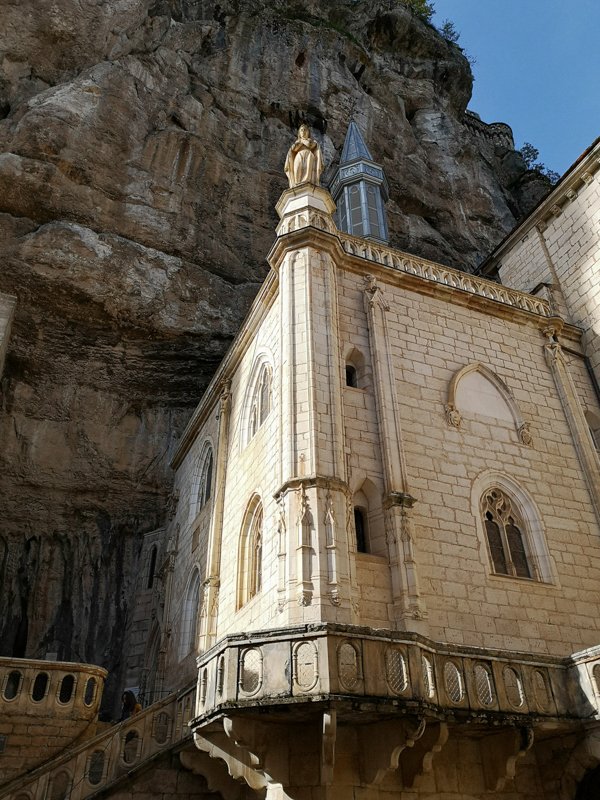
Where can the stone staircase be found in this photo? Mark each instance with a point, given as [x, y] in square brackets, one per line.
[91, 768]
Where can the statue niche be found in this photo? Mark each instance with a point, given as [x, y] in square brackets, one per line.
[304, 162]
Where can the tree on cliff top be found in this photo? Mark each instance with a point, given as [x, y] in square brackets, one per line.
[422, 8]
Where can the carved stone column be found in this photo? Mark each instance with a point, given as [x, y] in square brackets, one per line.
[313, 563]
[582, 438]
[210, 602]
[409, 609]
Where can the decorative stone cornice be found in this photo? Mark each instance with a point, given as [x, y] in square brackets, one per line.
[444, 276]
[582, 173]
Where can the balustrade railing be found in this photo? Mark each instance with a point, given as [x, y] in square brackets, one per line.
[93, 766]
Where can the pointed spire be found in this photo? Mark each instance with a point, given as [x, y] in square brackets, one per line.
[359, 189]
[354, 146]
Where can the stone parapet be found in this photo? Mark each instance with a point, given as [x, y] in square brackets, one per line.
[444, 276]
[92, 767]
[44, 707]
[391, 670]
[498, 133]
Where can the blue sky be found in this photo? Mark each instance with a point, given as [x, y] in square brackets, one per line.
[537, 68]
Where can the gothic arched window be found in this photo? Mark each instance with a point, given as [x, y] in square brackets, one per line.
[506, 535]
[191, 611]
[250, 553]
[206, 478]
[261, 400]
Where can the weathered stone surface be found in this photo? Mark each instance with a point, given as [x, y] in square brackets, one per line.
[141, 153]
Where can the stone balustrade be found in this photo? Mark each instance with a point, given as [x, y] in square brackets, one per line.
[44, 707]
[317, 663]
[444, 276]
[50, 688]
[99, 762]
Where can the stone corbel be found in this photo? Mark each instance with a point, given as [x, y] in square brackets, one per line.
[241, 744]
[214, 771]
[418, 760]
[501, 752]
[328, 747]
[382, 744]
[525, 436]
[453, 417]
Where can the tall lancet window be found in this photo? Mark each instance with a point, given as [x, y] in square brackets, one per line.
[261, 400]
[250, 567]
[359, 189]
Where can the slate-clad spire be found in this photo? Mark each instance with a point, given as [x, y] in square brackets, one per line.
[359, 189]
[354, 146]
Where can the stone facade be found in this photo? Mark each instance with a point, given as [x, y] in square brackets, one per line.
[556, 250]
[378, 576]
[382, 651]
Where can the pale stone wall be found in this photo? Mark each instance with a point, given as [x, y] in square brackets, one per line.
[310, 328]
[432, 339]
[252, 469]
[560, 245]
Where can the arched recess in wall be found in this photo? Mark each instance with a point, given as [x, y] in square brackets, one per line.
[149, 689]
[205, 476]
[190, 614]
[249, 582]
[506, 515]
[477, 390]
[356, 373]
[258, 400]
[368, 514]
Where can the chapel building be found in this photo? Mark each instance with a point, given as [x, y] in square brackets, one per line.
[379, 575]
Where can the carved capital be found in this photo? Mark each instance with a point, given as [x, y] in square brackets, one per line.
[402, 499]
[373, 294]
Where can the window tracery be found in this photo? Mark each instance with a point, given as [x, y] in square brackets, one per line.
[261, 402]
[206, 478]
[506, 535]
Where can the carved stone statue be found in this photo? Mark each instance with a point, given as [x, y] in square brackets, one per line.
[304, 162]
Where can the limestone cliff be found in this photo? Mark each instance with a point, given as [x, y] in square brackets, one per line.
[141, 152]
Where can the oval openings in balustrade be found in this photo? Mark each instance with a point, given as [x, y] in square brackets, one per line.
[90, 692]
[40, 687]
[96, 767]
[12, 686]
[66, 689]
